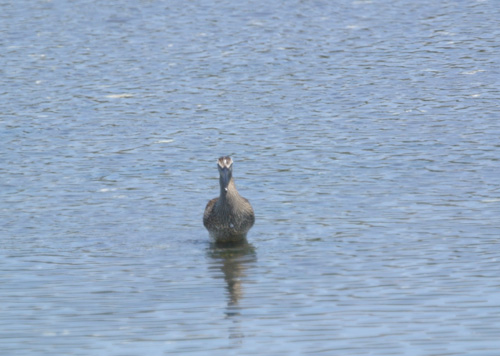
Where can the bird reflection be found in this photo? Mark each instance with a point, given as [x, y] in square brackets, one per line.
[233, 259]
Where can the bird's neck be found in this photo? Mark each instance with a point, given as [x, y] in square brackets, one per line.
[231, 194]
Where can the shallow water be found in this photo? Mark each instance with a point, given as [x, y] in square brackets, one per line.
[365, 135]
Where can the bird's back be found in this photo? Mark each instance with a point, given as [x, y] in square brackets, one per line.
[226, 221]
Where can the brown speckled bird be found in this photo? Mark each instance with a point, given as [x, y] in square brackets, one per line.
[228, 217]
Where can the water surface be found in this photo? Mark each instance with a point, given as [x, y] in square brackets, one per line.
[365, 135]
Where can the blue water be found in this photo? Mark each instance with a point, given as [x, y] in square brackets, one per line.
[364, 133]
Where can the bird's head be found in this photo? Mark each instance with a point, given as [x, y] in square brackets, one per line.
[225, 166]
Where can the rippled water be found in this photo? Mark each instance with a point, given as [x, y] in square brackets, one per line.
[365, 134]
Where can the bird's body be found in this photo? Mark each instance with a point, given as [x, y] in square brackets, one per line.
[228, 217]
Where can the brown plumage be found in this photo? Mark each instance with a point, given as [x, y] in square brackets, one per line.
[228, 217]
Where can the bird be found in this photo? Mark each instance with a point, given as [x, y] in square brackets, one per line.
[229, 216]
